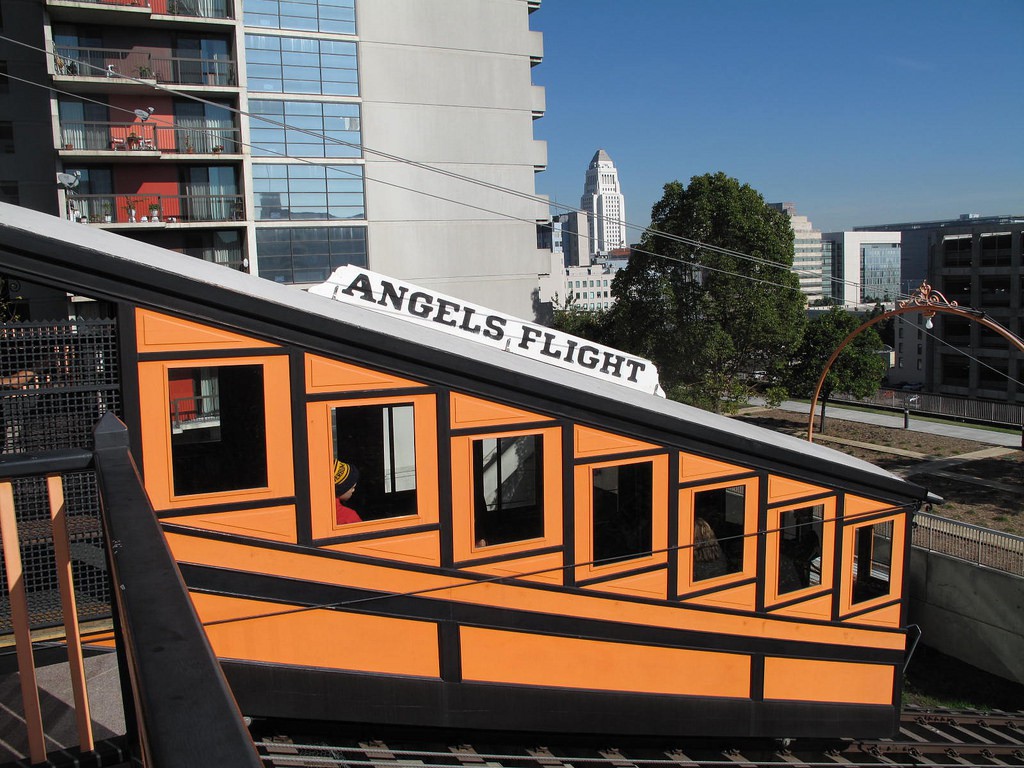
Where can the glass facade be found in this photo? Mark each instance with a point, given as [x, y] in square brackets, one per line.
[314, 129]
[301, 65]
[308, 254]
[305, 192]
[338, 16]
[880, 271]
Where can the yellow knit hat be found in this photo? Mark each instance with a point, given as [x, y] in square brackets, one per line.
[345, 476]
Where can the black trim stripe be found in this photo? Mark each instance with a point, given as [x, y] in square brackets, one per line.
[387, 533]
[717, 479]
[517, 426]
[608, 578]
[210, 354]
[399, 393]
[508, 557]
[236, 506]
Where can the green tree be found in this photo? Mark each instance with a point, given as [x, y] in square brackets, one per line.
[709, 319]
[570, 317]
[858, 371]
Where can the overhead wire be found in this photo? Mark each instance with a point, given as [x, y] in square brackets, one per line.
[345, 168]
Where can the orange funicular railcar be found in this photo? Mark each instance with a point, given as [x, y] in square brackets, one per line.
[533, 549]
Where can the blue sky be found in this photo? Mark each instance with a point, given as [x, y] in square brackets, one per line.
[859, 111]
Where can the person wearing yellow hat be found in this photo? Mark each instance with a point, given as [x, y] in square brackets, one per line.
[345, 478]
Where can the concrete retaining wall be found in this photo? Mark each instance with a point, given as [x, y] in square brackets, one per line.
[968, 612]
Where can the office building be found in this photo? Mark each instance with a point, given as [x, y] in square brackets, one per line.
[287, 138]
[863, 268]
[807, 257]
[604, 205]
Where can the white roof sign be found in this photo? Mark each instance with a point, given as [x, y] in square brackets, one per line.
[361, 287]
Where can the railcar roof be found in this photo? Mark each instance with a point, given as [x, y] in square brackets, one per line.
[143, 270]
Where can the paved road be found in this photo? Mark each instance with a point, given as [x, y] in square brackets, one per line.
[949, 429]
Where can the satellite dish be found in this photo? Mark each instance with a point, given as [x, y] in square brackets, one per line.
[143, 114]
[69, 180]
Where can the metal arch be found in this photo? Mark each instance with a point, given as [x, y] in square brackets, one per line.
[923, 301]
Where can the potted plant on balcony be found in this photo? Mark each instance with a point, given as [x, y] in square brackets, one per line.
[145, 72]
[131, 205]
[132, 140]
[107, 211]
[154, 212]
[218, 148]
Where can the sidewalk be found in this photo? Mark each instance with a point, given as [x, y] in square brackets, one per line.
[895, 420]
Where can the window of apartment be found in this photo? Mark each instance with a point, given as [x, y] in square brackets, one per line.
[956, 251]
[305, 192]
[314, 129]
[872, 561]
[210, 193]
[993, 373]
[337, 16]
[957, 289]
[379, 442]
[508, 489]
[218, 428]
[6, 137]
[956, 370]
[199, 127]
[308, 254]
[956, 331]
[301, 65]
[622, 512]
[995, 250]
[995, 291]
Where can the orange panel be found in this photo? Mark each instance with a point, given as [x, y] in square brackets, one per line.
[465, 541]
[583, 477]
[692, 467]
[272, 523]
[473, 412]
[884, 617]
[326, 375]
[826, 548]
[161, 333]
[782, 488]
[649, 585]
[839, 681]
[546, 569]
[419, 548]
[524, 659]
[321, 460]
[817, 608]
[593, 442]
[686, 542]
[855, 506]
[738, 597]
[318, 638]
[154, 399]
[306, 566]
[849, 543]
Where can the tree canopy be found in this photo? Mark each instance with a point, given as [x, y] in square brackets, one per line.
[858, 370]
[709, 318]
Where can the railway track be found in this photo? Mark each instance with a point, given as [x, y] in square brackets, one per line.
[926, 738]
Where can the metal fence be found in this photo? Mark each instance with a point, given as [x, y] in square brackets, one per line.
[988, 411]
[61, 376]
[972, 543]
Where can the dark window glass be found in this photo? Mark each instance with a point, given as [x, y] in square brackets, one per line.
[800, 548]
[508, 489]
[9, 192]
[957, 252]
[872, 558]
[956, 370]
[380, 442]
[6, 137]
[719, 516]
[218, 428]
[623, 512]
[308, 254]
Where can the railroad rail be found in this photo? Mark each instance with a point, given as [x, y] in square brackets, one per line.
[926, 738]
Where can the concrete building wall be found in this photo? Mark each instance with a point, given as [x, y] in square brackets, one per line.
[970, 613]
[448, 84]
[848, 278]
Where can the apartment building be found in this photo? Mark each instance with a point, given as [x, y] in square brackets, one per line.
[287, 137]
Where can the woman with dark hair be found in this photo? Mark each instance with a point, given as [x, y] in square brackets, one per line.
[708, 557]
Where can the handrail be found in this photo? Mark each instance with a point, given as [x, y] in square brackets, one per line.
[184, 710]
[972, 543]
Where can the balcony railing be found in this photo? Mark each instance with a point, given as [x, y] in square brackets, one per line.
[226, 257]
[149, 137]
[115, 63]
[150, 209]
[200, 9]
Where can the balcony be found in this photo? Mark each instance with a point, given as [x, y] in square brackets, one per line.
[117, 64]
[150, 137]
[159, 210]
[193, 9]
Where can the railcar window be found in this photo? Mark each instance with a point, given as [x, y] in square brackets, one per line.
[872, 558]
[218, 428]
[623, 512]
[800, 532]
[508, 498]
[718, 523]
[377, 445]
